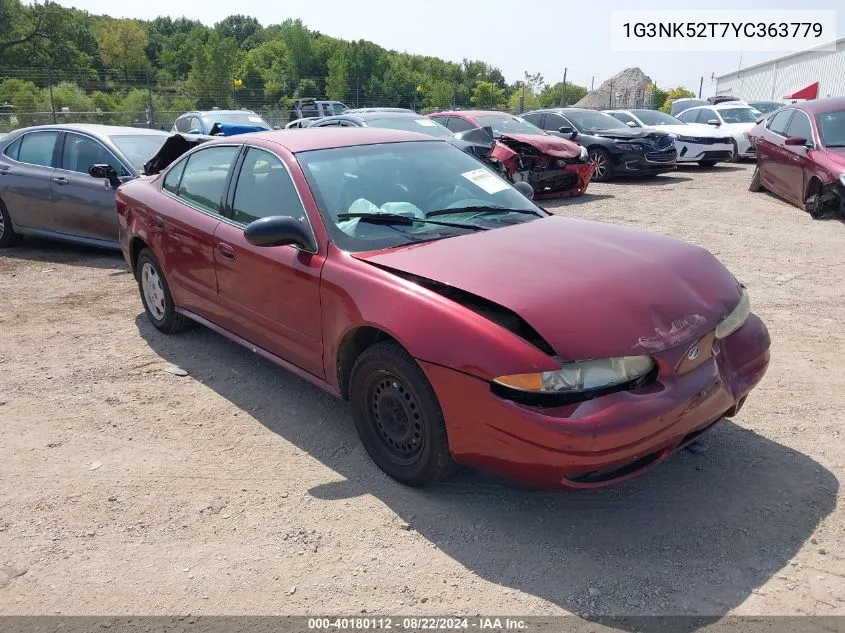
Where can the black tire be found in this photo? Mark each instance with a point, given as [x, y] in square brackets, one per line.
[707, 163]
[398, 417]
[735, 152]
[755, 185]
[161, 311]
[8, 237]
[812, 204]
[603, 161]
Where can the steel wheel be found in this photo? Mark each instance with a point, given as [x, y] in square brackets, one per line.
[396, 417]
[153, 291]
[601, 160]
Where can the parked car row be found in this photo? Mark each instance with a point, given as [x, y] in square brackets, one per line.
[406, 273]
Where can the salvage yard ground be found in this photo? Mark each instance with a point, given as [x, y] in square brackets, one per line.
[241, 489]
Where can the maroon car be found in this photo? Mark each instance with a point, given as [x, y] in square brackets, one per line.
[801, 155]
[464, 323]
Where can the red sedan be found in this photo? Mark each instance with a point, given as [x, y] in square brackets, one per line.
[464, 323]
[554, 167]
[801, 155]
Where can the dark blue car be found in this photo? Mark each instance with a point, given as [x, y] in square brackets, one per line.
[202, 122]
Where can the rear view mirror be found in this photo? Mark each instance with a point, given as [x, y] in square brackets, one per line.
[279, 231]
[631, 124]
[525, 189]
[101, 170]
[565, 130]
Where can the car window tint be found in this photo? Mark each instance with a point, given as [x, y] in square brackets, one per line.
[457, 124]
[204, 178]
[621, 116]
[12, 150]
[534, 119]
[171, 180]
[182, 125]
[689, 116]
[264, 189]
[81, 152]
[777, 124]
[195, 124]
[439, 119]
[800, 126]
[706, 115]
[37, 148]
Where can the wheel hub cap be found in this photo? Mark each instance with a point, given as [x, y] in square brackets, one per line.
[153, 291]
[396, 414]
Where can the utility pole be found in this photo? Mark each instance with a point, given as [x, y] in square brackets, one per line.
[50, 87]
[151, 113]
[563, 90]
[700, 86]
[592, 83]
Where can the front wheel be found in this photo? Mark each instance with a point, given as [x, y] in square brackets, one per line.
[734, 151]
[756, 181]
[155, 295]
[398, 417]
[604, 166]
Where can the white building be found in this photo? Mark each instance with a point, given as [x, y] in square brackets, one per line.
[805, 72]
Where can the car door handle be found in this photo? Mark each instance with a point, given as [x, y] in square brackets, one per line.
[5, 171]
[158, 223]
[60, 180]
[226, 251]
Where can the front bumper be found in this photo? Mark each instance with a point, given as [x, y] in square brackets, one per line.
[697, 152]
[566, 182]
[745, 147]
[609, 439]
[653, 162]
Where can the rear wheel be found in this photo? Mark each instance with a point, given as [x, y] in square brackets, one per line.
[734, 151]
[155, 295]
[8, 237]
[398, 417]
[604, 166]
[812, 203]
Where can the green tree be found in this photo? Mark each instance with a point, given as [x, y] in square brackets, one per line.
[675, 93]
[69, 95]
[439, 94]
[487, 95]
[24, 96]
[550, 96]
[658, 98]
[238, 27]
[211, 79]
[306, 88]
[123, 45]
[337, 81]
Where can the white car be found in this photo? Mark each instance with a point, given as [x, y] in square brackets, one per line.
[736, 120]
[695, 142]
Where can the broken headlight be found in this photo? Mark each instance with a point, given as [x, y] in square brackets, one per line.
[581, 377]
[585, 155]
[736, 319]
[629, 147]
[842, 180]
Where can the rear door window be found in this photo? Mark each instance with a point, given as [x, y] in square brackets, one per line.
[800, 126]
[205, 176]
[37, 148]
[80, 153]
[457, 124]
[778, 123]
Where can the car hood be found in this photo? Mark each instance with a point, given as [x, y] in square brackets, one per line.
[629, 134]
[590, 289]
[547, 144]
[836, 155]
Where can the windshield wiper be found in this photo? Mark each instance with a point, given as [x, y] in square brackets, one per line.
[395, 218]
[480, 209]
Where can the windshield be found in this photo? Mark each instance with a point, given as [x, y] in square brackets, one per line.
[589, 120]
[653, 117]
[411, 124]
[508, 124]
[236, 118]
[411, 179]
[139, 149]
[738, 115]
[337, 107]
[832, 128]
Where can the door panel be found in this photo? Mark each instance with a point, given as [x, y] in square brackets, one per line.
[796, 163]
[272, 294]
[25, 184]
[83, 205]
[776, 155]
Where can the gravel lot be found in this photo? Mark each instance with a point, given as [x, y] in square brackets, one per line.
[241, 489]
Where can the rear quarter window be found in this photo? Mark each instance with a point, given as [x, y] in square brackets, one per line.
[12, 150]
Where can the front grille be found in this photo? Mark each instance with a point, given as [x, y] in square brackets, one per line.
[661, 157]
[703, 140]
[716, 155]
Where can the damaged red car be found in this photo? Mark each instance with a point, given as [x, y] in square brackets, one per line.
[554, 167]
[465, 324]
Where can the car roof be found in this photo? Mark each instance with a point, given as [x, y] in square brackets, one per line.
[98, 129]
[213, 112]
[472, 113]
[307, 139]
[820, 105]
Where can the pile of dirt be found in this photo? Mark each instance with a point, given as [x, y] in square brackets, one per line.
[630, 88]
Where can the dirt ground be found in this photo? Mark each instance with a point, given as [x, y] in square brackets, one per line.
[243, 490]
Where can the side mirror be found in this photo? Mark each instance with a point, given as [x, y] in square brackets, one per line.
[524, 188]
[631, 124]
[279, 231]
[714, 122]
[101, 170]
[565, 130]
[795, 140]
[276, 127]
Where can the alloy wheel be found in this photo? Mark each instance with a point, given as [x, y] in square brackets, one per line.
[600, 161]
[2, 225]
[153, 291]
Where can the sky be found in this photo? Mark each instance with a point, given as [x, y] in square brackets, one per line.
[545, 36]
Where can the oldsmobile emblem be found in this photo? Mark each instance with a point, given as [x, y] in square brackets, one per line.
[693, 352]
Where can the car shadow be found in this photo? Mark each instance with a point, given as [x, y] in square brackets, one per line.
[55, 252]
[715, 169]
[660, 180]
[694, 537]
[585, 198]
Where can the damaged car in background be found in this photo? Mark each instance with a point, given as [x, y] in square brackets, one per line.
[801, 156]
[554, 167]
[613, 147]
[416, 286]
